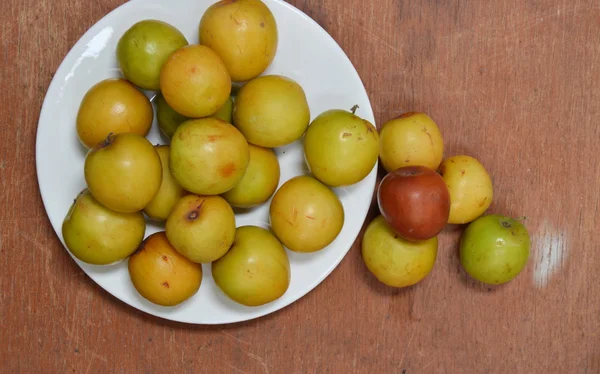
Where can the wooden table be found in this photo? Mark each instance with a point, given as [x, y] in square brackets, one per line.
[511, 82]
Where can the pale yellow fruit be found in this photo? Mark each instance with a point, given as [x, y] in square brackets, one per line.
[256, 270]
[470, 187]
[394, 261]
[306, 215]
[243, 33]
[412, 139]
[194, 81]
[271, 111]
[202, 228]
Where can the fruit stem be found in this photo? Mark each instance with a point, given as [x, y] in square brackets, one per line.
[354, 108]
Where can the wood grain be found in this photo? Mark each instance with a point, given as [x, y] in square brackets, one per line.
[511, 82]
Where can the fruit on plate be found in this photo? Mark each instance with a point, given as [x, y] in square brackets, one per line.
[161, 274]
[112, 106]
[470, 186]
[494, 249]
[201, 228]
[100, 236]
[341, 148]
[412, 139]
[225, 112]
[208, 156]
[259, 182]
[305, 215]
[256, 270]
[271, 111]
[169, 193]
[394, 261]
[143, 49]
[243, 33]
[194, 81]
[123, 172]
[415, 202]
[168, 119]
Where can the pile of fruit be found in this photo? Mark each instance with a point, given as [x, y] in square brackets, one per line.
[223, 118]
[420, 195]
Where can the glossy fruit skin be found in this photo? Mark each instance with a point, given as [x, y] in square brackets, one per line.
[259, 182]
[494, 249]
[201, 228]
[415, 202]
[341, 148]
[143, 49]
[256, 270]
[194, 81]
[161, 275]
[112, 106]
[208, 156]
[305, 215]
[100, 236]
[169, 120]
[271, 111]
[470, 186]
[124, 173]
[243, 33]
[394, 261]
[412, 139]
[169, 193]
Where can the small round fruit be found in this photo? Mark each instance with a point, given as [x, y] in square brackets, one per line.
[306, 215]
[256, 270]
[100, 236]
[412, 139]
[470, 186]
[112, 106]
[341, 148]
[415, 202]
[123, 172]
[169, 193]
[208, 156]
[161, 275]
[244, 33]
[271, 111]
[201, 228]
[394, 261]
[169, 120]
[143, 49]
[194, 81]
[259, 182]
[494, 249]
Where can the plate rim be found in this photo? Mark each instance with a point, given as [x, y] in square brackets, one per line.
[45, 112]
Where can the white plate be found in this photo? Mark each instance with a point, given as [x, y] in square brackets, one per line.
[306, 53]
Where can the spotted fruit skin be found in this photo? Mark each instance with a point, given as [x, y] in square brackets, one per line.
[341, 148]
[161, 274]
[470, 186]
[411, 139]
[306, 215]
[208, 156]
[202, 228]
[243, 33]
